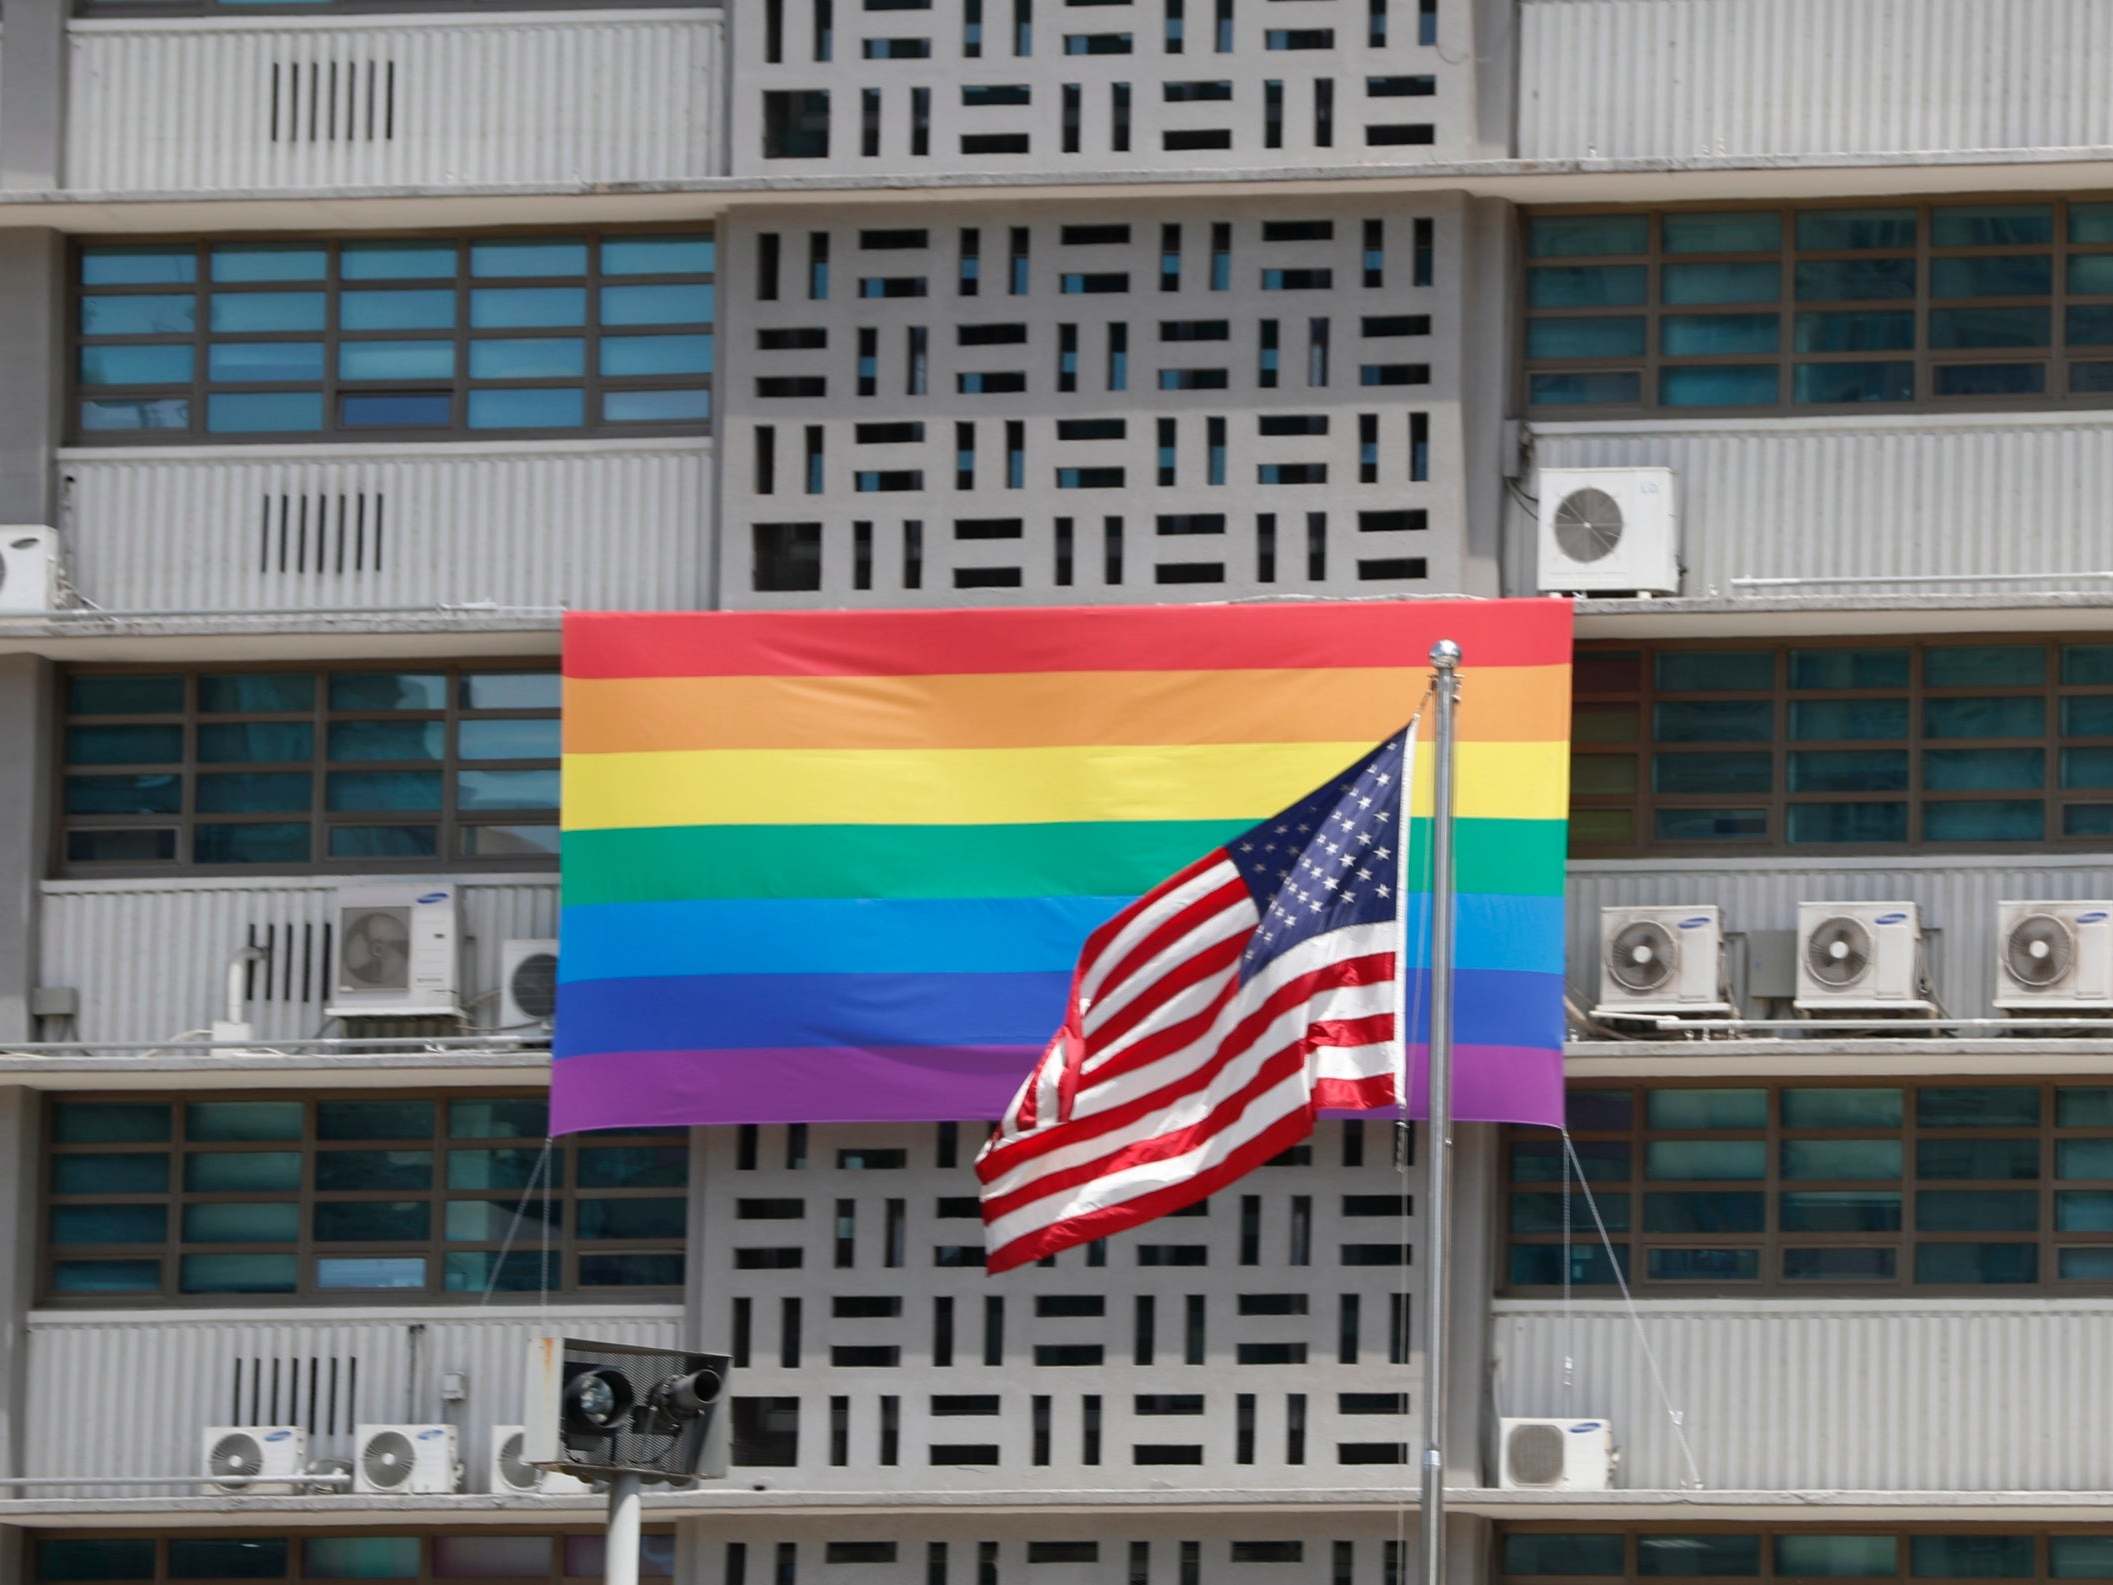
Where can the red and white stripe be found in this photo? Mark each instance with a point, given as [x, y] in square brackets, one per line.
[1170, 1078]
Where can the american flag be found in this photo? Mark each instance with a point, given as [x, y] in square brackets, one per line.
[1211, 1020]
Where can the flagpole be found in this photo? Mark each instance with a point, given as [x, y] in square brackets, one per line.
[1438, 1134]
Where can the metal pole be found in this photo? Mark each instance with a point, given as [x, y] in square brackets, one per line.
[620, 1560]
[1445, 656]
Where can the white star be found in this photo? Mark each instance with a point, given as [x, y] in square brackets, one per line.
[1383, 891]
[1364, 874]
[1366, 803]
[1333, 847]
[1303, 830]
[1349, 897]
[1316, 907]
[1331, 883]
[1365, 837]
[1247, 847]
[1384, 778]
[1383, 816]
[1379, 853]
[1347, 860]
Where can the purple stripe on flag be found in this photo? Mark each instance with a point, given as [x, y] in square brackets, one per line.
[1495, 1084]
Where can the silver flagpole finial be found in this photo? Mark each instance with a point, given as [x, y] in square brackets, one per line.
[1445, 654]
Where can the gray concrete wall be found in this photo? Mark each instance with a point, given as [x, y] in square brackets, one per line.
[33, 98]
[33, 354]
[25, 831]
[19, 1166]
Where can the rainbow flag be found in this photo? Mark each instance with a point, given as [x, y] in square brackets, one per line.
[837, 866]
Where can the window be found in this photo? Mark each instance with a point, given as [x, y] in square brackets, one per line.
[137, 1558]
[1983, 1187]
[1810, 1552]
[375, 1193]
[1841, 746]
[392, 338]
[1827, 309]
[347, 768]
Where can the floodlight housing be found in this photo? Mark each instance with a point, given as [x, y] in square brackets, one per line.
[605, 1409]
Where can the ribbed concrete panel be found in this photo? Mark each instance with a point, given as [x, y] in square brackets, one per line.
[1829, 1395]
[150, 958]
[618, 524]
[1957, 897]
[1674, 78]
[1860, 498]
[194, 105]
[327, 1372]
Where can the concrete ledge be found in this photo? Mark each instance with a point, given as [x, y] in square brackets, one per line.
[1905, 1057]
[269, 1071]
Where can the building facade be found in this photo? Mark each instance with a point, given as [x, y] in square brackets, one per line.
[347, 343]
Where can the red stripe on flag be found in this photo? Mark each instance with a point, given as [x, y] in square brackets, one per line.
[1163, 935]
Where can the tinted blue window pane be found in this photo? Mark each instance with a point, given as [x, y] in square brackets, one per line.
[1742, 1212]
[136, 845]
[511, 690]
[1583, 390]
[100, 1559]
[1841, 1211]
[2091, 273]
[2013, 717]
[152, 315]
[1720, 283]
[1685, 1110]
[396, 261]
[1989, 379]
[1976, 1264]
[105, 1276]
[123, 745]
[1715, 670]
[1983, 769]
[396, 360]
[1849, 770]
[1586, 286]
[387, 740]
[1583, 1553]
[351, 791]
[1543, 1213]
[1714, 720]
[2091, 222]
[254, 792]
[507, 789]
[1704, 1265]
[1698, 1554]
[2019, 275]
[1610, 336]
[2083, 1158]
[510, 841]
[228, 1558]
[1978, 1106]
[247, 691]
[1718, 387]
[2087, 663]
[659, 1218]
[1852, 1159]
[1850, 719]
[372, 1221]
[263, 412]
[1980, 821]
[1854, 280]
[1712, 773]
[496, 307]
[1992, 226]
[508, 739]
[2087, 767]
[1541, 1265]
[1829, 383]
[689, 354]
[221, 1122]
[109, 1224]
[237, 1222]
[1587, 236]
[110, 1174]
[2080, 1556]
[1840, 230]
[374, 1169]
[138, 266]
[2087, 820]
[396, 310]
[135, 365]
[396, 410]
[1859, 822]
[527, 256]
[102, 417]
[2083, 1106]
[1975, 1211]
[534, 409]
[1717, 335]
[279, 843]
[1985, 665]
[243, 362]
[657, 256]
[630, 1271]
[360, 1557]
[92, 695]
[341, 1274]
[237, 311]
[1535, 1161]
[1753, 232]
[124, 795]
[1837, 1556]
[540, 358]
[1977, 1158]
[1868, 330]
[1705, 1159]
[1710, 825]
[242, 1172]
[1848, 668]
[657, 407]
[2090, 325]
[384, 842]
[269, 261]
[123, 1123]
[388, 690]
[1990, 327]
[234, 1274]
[375, 1119]
[657, 305]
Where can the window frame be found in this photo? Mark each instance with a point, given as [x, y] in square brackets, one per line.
[448, 819]
[1786, 306]
[564, 1245]
[1768, 1534]
[1772, 1240]
[592, 383]
[1644, 801]
[295, 1537]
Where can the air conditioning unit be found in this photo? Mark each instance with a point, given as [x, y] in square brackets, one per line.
[528, 985]
[405, 1459]
[2054, 955]
[29, 569]
[269, 1458]
[1862, 957]
[512, 1473]
[1609, 531]
[1555, 1455]
[1659, 962]
[397, 952]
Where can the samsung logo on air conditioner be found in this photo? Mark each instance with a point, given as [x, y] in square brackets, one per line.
[434, 897]
[1696, 923]
[431, 1433]
[2096, 916]
[1890, 919]
[1584, 1426]
[277, 1436]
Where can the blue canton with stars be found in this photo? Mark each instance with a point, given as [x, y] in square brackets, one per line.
[1326, 862]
